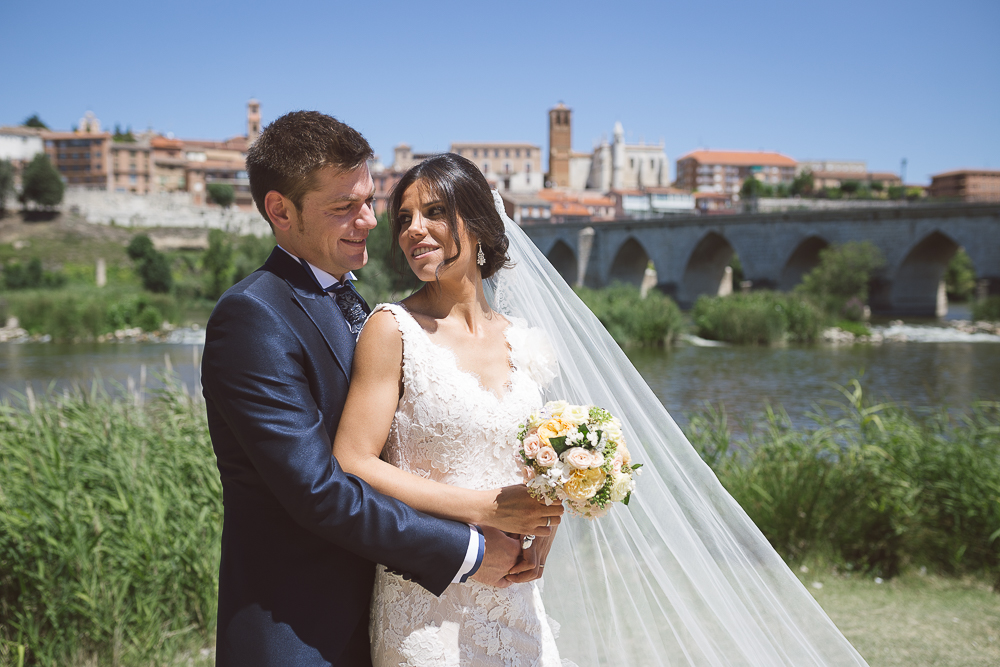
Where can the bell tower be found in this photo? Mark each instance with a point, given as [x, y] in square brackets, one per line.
[560, 144]
[253, 121]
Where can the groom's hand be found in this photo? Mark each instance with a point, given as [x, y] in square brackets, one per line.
[516, 511]
[500, 556]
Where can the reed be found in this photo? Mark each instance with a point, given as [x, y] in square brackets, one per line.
[110, 521]
[873, 485]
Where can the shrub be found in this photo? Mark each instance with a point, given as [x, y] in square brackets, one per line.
[151, 265]
[843, 273]
[85, 313]
[6, 183]
[987, 309]
[632, 320]
[31, 276]
[757, 318]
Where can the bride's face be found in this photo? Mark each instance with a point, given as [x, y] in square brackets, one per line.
[425, 236]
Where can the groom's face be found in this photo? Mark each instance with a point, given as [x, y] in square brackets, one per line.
[331, 229]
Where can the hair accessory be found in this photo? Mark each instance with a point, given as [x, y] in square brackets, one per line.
[480, 257]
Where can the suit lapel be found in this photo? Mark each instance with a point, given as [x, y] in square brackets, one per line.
[318, 305]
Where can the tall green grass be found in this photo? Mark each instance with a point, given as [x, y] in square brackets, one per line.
[875, 486]
[110, 521]
[110, 510]
[757, 318]
[987, 309]
[631, 319]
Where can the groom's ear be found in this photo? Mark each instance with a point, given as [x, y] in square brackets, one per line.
[280, 210]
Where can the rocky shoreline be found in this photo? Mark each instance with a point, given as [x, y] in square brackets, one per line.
[190, 335]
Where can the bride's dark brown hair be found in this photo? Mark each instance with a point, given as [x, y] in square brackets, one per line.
[458, 183]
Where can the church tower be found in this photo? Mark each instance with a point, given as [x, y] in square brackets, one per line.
[560, 144]
[253, 121]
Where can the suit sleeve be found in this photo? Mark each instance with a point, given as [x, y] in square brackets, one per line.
[254, 378]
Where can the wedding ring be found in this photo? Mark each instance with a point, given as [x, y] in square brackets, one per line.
[548, 521]
[526, 542]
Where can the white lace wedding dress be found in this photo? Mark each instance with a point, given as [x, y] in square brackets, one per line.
[449, 428]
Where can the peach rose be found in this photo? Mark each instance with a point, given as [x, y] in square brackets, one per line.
[616, 462]
[546, 457]
[531, 445]
[578, 457]
[584, 484]
[529, 473]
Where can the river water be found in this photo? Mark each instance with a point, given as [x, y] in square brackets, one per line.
[949, 374]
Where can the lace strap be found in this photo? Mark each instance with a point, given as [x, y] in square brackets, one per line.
[414, 337]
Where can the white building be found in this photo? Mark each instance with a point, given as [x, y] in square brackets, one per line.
[20, 144]
[619, 166]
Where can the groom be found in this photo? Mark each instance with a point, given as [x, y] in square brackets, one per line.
[300, 536]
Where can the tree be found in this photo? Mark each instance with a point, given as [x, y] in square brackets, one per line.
[151, 265]
[849, 187]
[960, 276]
[6, 183]
[217, 261]
[753, 188]
[123, 137]
[896, 192]
[34, 121]
[803, 184]
[41, 182]
[222, 194]
[843, 274]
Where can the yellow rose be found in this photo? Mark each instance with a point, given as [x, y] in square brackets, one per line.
[584, 484]
[552, 428]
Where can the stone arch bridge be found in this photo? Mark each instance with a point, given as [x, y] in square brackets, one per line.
[691, 253]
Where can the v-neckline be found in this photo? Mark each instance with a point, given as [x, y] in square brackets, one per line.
[508, 385]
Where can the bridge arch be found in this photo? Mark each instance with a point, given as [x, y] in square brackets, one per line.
[629, 264]
[803, 259]
[916, 286]
[705, 269]
[564, 261]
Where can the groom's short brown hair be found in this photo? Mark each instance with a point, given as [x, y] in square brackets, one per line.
[289, 152]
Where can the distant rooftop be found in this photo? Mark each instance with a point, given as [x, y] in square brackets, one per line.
[740, 158]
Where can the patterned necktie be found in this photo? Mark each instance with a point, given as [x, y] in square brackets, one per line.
[351, 304]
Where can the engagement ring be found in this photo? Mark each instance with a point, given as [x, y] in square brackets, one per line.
[526, 542]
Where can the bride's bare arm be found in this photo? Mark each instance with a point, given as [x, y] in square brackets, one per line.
[376, 381]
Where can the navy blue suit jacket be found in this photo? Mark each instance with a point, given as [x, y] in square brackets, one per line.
[300, 536]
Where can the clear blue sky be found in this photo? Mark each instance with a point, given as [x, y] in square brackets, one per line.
[873, 80]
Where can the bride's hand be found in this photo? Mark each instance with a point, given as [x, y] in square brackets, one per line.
[531, 564]
[513, 510]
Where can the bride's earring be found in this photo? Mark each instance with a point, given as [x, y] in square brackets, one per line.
[480, 257]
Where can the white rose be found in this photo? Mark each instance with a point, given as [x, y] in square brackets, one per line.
[578, 457]
[621, 485]
[577, 414]
[555, 408]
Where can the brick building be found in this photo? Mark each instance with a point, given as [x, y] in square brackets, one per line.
[971, 185]
[513, 166]
[131, 166]
[82, 158]
[725, 171]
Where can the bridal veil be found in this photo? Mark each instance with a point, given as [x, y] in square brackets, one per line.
[681, 576]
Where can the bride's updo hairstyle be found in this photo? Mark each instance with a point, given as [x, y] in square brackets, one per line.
[458, 183]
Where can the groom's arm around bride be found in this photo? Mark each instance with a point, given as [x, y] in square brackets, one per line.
[300, 536]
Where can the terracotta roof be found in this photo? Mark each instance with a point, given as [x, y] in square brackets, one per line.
[957, 172]
[569, 208]
[740, 158]
[711, 195]
[47, 134]
[638, 193]
[20, 130]
[494, 144]
[589, 198]
[163, 142]
[667, 191]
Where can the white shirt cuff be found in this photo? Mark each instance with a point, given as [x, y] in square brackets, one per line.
[472, 556]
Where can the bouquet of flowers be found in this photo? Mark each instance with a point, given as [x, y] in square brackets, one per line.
[576, 454]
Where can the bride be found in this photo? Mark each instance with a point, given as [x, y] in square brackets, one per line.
[441, 381]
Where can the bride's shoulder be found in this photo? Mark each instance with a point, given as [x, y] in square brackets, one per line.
[532, 351]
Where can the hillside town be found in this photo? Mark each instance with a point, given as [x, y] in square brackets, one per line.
[616, 181]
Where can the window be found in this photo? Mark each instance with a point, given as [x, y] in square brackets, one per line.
[496, 152]
[517, 153]
[486, 167]
[475, 152]
[506, 153]
[527, 153]
[527, 167]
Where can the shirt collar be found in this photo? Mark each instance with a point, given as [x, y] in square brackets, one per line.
[325, 280]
